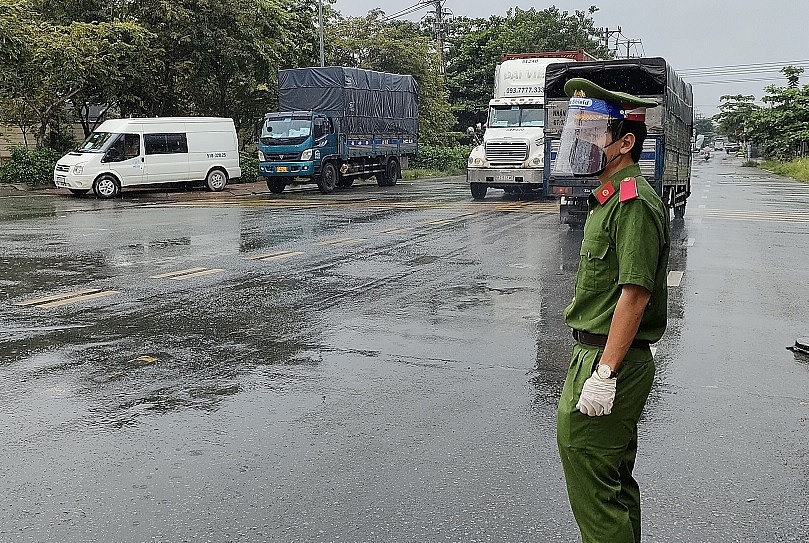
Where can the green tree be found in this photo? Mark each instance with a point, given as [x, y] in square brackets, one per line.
[477, 46]
[780, 128]
[734, 113]
[52, 64]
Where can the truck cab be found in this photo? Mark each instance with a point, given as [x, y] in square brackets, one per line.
[511, 155]
[294, 144]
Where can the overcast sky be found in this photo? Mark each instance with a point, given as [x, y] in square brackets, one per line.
[739, 40]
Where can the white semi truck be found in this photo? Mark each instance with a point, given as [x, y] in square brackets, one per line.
[511, 156]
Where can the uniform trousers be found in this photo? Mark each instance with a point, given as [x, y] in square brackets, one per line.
[598, 453]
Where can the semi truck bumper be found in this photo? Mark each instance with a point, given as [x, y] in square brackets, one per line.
[502, 178]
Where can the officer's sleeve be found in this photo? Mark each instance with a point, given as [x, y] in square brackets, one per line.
[638, 242]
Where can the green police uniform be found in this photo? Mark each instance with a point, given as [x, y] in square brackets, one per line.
[625, 242]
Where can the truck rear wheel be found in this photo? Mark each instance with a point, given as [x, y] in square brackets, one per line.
[478, 190]
[276, 184]
[392, 173]
[328, 178]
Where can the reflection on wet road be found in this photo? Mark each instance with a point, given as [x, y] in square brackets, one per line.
[376, 365]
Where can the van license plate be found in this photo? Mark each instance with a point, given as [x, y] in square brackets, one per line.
[282, 169]
[60, 180]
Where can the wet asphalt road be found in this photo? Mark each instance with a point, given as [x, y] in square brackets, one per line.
[381, 365]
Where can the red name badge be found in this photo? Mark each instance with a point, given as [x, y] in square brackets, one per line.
[604, 192]
[629, 189]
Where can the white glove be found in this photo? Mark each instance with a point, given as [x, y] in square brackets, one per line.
[597, 396]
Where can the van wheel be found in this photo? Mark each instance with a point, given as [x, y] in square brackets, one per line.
[79, 192]
[216, 180]
[276, 184]
[478, 190]
[328, 178]
[106, 186]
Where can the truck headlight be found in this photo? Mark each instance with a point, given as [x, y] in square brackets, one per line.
[261, 157]
[78, 169]
[536, 161]
[475, 161]
[306, 155]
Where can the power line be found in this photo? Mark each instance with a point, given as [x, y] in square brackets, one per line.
[747, 66]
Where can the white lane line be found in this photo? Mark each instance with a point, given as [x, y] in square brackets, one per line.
[341, 241]
[196, 274]
[654, 350]
[396, 230]
[688, 242]
[62, 296]
[92, 296]
[176, 273]
[674, 278]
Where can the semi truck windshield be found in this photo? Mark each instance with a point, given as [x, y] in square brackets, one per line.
[525, 115]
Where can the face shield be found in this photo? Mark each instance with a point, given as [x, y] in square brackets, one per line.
[585, 136]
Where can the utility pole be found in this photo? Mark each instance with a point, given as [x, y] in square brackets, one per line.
[320, 26]
[608, 34]
[439, 28]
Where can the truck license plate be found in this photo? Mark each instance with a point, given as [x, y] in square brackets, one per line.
[504, 178]
[282, 169]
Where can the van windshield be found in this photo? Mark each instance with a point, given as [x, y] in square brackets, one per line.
[286, 130]
[97, 142]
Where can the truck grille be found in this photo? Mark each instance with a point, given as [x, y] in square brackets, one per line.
[282, 157]
[506, 152]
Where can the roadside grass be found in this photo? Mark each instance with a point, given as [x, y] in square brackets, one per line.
[797, 169]
[424, 173]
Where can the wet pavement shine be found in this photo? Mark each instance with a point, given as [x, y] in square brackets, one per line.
[381, 365]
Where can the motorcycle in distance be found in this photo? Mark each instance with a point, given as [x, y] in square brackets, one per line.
[706, 153]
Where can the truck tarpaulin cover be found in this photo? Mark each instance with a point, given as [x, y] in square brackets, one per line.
[364, 102]
[645, 77]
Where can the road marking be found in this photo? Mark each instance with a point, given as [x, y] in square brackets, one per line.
[275, 256]
[437, 222]
[62, 296]
[187, 274]
[688, 242]
[196, 274]
[757, 215]
[674, 278]
[396, 230]
[174, 274]
[339, 242]
[82, 298]
[653, 349]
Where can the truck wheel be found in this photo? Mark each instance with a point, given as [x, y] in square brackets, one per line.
[328, 178]
[392, 173]
[679, 211]
[478, 190]
[216, 180]
[276, 184]
[106, 186]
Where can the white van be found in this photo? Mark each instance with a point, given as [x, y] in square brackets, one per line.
[127, 152]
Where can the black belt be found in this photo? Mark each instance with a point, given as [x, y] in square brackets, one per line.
[598, 340]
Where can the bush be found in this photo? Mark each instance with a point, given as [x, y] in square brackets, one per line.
[32, 167]
[249, 164]
[797, 169]
[449, 160]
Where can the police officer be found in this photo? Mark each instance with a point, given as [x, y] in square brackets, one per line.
[619, 308]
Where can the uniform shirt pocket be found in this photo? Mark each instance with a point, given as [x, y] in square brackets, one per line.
[597, 272]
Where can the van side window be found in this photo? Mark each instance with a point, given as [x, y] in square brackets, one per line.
[124, 147]
[162, 144]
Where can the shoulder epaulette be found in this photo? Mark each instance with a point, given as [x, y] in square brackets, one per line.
[629, 189]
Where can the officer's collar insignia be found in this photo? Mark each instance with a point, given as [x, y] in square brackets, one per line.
[604, 192]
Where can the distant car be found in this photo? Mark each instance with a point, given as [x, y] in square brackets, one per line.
[732, 147]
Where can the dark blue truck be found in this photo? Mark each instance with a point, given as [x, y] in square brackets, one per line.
[666, 158]
[336, 125]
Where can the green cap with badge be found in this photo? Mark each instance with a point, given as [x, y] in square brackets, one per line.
[634, 107]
